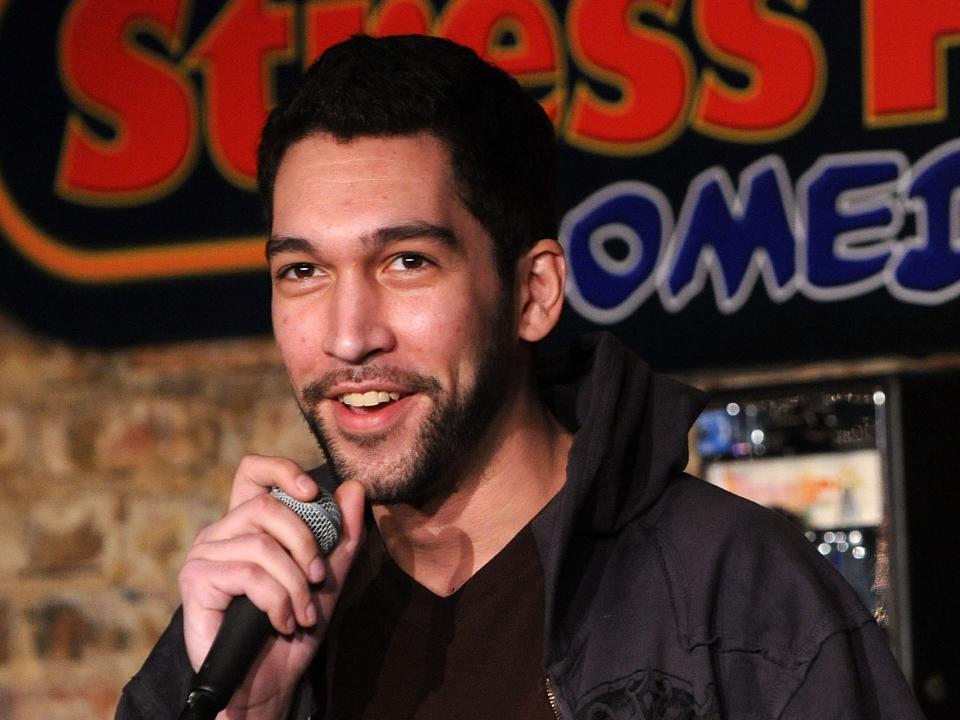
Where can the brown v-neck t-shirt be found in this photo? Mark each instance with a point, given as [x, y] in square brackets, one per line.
[398, 651]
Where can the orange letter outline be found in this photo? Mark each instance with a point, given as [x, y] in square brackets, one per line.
[133, 264]
[938, 113]
[76, 124]
[383, 13]
[711, 78]
[669, 16]
[271, 60]
[554, 78]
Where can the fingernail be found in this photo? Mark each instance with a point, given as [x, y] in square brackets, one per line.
[290, 624]
[305, 484]
[316, 570]
[311, 614]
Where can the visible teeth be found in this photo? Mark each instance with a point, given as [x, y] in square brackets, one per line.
[369, 398]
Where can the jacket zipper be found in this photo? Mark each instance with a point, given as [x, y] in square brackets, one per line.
[552, 697]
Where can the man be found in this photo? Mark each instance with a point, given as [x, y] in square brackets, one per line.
[530, 546]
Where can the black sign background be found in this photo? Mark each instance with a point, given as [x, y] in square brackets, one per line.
[35, 107]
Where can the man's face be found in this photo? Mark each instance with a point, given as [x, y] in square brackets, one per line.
[387, 309]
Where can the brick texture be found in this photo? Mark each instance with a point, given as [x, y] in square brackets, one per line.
[110, 463]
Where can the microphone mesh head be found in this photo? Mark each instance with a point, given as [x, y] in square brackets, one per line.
[321, 515]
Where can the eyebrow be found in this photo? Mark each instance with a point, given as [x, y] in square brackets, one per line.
[380, 237]
[277, 244]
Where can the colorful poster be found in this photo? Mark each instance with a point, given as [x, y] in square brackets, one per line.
[823, 491]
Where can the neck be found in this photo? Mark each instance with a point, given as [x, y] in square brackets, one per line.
[521, 466]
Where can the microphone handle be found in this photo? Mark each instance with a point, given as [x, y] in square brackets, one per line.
[245, 628]
[228, 660]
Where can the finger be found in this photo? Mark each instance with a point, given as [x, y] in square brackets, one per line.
[207, 587]
[263, 550]
[256, 474]
[263, 513]
[350, 498]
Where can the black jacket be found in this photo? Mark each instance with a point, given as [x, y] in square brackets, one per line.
[666, 597]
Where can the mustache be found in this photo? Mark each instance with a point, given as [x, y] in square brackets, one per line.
[411, 382]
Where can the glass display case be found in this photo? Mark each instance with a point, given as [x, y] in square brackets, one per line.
[821, 456]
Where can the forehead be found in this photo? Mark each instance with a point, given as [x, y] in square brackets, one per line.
[335, 195]
[325, 172]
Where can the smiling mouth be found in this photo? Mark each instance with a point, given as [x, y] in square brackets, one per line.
[369, 399]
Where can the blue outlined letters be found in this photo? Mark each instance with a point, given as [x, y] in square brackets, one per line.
[838, 234]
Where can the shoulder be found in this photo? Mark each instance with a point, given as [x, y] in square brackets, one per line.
[707, 594]
[744, 578]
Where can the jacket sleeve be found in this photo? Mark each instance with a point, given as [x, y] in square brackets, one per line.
[854, 677]
[159, 690]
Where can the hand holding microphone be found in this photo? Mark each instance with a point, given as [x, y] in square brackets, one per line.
[276, 561]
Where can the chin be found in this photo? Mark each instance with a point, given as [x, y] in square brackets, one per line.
[413, 494]
[391, 486]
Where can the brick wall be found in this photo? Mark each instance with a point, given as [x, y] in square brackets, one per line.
[110, 462]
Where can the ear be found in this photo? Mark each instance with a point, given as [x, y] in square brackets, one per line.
[541, 278]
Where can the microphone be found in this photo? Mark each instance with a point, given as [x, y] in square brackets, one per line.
[245, 627]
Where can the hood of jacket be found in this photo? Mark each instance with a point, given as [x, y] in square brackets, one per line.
[630, 443]
[631, 427]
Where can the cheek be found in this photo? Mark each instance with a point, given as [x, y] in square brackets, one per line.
[445, 339]
[294, 340]
[437, 327]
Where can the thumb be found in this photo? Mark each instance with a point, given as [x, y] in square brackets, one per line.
[350, 499]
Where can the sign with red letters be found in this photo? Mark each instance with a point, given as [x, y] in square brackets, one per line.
[742, 181]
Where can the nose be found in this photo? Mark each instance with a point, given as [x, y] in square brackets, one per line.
[357, 324]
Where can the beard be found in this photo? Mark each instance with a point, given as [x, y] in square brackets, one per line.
[452, 429]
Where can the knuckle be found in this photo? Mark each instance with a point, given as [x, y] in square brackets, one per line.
[247, 460]
[250, 573]
[265, 545]
[202, 535]
[264, 503]
[189, 576]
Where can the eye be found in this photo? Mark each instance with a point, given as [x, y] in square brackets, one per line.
[297, 271]
[409, 261]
